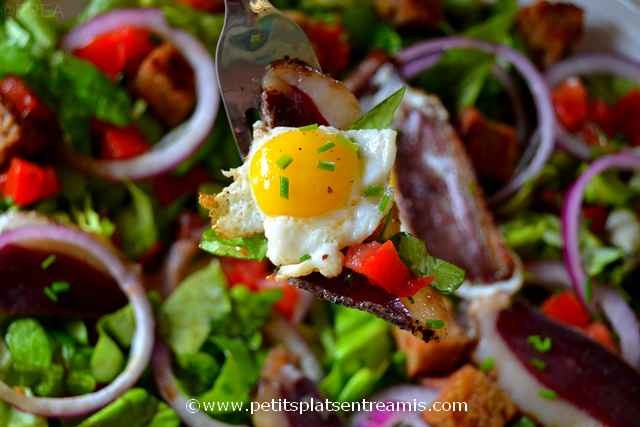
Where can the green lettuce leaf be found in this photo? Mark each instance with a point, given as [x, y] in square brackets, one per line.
[137, 224]
[381, 116]
[241, 247]
[413, 251]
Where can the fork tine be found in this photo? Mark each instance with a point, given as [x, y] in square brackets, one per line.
[254, 35]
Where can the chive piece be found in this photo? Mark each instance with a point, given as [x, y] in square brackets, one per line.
[326, 147]
[540, 344]
[374, 191]
[435, 323]
[588, 290]
[384, 202]
[538, 363]
[51, 294]
[305, 257]
[48, 261]
[60, 287]
[309, 127]
[284, 161]
[327, 166]
[284, 187]
[547, 394]
[487, 364]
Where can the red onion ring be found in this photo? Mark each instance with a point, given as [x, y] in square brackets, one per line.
[279, 329]
[141, 345]
[186, 408]
[540, 148]
[583, 65]
[180, 142]
[571, 214]
[519, 112]
[549, 274]
[399, 393]
[177, 264]
[625, 323]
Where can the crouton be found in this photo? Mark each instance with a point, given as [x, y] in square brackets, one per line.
[410, 13]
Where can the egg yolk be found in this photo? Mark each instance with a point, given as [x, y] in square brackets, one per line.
[304, 173]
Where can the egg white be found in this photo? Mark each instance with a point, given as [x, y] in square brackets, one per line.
[321, 237]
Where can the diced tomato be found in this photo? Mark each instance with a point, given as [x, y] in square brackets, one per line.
[597, 217]
[289, 301]
[211, 6]
[570, 101]
[245, 272]
[626, 113]
[599, 332]
[122, 143]
[117, 50]
[22, 99]
[169, 188]
[566, 308]
[601, 114]
[329, 41]
[26, 183]
[381, 264]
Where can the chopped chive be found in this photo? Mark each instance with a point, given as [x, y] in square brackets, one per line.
[327, 166]
[326, 147]
[284, 187]
[384, 202]
[538, 363]
[309, 127]
[284, 161]
[60, 287]
[547, 394]
[374, 191]
[51, 294]
[305, 257]
[48, 261]
[588, 290]
[435, 323]
[487, 364]
[540, 344]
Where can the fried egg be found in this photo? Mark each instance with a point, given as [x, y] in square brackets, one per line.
[312, 191]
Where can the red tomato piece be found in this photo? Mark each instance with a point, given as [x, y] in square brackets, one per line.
[566, 308]
[599, 332]
[122, 143]
[570, 101]
[26, 183]
[117, 50]
[22, 98]
[601, 114]
[626, 113]
[382, 265]
[245, 272]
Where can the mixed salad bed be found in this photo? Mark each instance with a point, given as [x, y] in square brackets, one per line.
[448, 211]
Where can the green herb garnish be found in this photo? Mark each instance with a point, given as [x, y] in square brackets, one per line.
[487, 364]
[305, 257]
[435, 323]
[56, 288]
[309, 127]
[326, 147]
[48, 261]
[547, 394]
[384, 202]
[50, 294]
[284, 161]
[284, 187]
[374, 191]
[538, 363]
[326, 165]
[540, 344]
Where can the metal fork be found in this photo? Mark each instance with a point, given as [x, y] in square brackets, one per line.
[254, 35]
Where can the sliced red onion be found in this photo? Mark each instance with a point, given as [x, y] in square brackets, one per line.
[624, 321]
[180, 142]
[571, 214]
[584, 65]
[540, 148]
[549, 274]
[279, 329]
[142, 343]
[421, 397]
[188, 409]
[177, 264]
